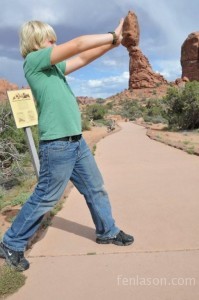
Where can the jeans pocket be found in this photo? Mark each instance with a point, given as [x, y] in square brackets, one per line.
[59, 145]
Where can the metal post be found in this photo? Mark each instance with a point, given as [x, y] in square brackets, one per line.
[33, 150]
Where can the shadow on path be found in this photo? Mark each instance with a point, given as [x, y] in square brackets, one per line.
[73, 227]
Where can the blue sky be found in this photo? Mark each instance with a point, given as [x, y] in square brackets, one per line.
[164, 25]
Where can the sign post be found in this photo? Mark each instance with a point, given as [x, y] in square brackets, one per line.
[33, 150]
[25, 115]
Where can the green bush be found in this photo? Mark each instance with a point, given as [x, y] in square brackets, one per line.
[153, 111]
[102, 122]
[150, 110]
[154, 119]
[182, 106]
[85, 124]
[109, 105]
[95, 111]
[131, 110]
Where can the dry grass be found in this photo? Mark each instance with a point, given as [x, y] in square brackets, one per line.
[10, 281]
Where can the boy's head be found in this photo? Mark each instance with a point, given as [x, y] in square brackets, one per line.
[33, 36]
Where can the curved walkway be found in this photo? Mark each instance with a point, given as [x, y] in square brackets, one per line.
[154, 191]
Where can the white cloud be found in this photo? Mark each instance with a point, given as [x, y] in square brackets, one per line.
[95, 83]
[170, 69]
[112, 80]
[110, 62]
[102, 88]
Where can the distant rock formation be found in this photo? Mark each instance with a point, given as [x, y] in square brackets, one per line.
[85, 100]
[190, 57]
[4, 87]
[180, 82]
[141, 73]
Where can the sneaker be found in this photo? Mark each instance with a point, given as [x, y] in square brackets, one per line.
[121, 239]
[13, 258]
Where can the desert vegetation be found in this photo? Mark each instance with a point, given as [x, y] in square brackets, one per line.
[178, 110]
[181, 107]
[10, 281]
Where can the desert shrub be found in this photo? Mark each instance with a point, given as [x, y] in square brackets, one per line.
[153, 107]
[102, 122]
[95, 111]
[153, 111]
[109, 105]
[154, 119]
[182, 106]
[8, 129]
[131, 110]
[85, 124]
[13, 144]
[150, 110]
[100, 100]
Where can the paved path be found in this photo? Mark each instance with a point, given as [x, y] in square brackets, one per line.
[154, 191]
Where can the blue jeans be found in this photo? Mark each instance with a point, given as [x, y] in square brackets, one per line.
[61, 161]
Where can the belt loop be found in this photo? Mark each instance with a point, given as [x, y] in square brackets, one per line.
[70, 139]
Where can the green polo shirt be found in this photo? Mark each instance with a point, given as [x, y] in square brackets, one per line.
[58, 111]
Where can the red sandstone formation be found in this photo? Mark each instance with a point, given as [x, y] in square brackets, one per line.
[141, 73]
[4, 87]
[180, 82]
[85, 100]
[190, 57]
[131, 31]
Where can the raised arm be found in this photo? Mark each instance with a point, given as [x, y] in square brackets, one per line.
[84, 43]
[85, 58]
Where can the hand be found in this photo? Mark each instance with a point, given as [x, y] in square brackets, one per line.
[118, 32]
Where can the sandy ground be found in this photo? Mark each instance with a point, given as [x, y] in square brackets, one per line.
[187, 141]
[154, 194]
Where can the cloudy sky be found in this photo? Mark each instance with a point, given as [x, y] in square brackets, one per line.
[164, 25]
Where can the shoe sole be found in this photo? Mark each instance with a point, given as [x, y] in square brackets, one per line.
[2, 253]
[117, 243]
[9, 263]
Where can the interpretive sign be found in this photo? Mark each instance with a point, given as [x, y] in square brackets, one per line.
[25, 115]
[23, 108]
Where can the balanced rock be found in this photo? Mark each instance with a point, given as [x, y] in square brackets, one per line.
[190, 57]
[141, 73]
[131, 31]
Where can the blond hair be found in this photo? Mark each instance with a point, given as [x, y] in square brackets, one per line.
[33, 34]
